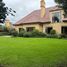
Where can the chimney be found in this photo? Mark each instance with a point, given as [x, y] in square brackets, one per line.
[42, 8]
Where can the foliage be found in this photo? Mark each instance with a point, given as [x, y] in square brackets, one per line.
[62, 36]
[51, 36]
[27, 34]
[63, 5]
[21, 32]
[36, 33]
[4, 33]
[13, 32]
[21, 29]
[1, 28]
[4, 11]
[53, 32]
[5, 29]
[58, 36]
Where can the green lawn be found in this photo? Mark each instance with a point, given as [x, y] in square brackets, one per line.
[32, 52]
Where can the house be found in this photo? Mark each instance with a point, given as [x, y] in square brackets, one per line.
[44, 20]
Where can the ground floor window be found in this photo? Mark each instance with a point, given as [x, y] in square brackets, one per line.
[64, 30]
[48, 30]
[29, 29]
[21, 29]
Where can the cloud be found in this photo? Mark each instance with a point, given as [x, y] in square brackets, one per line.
[24, 7]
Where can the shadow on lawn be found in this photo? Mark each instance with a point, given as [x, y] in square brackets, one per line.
[62, 64]
[58, 64]
[7, 65]
[1, 65]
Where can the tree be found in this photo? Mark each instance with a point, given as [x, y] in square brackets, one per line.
[5, 11]
[63, 5]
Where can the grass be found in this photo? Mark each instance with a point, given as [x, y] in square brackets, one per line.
[32, 52]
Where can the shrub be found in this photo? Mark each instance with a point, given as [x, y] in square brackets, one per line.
[51, 36]
[4, 33]
[27, 34]
[62, 36]
[36, 33]
[13, 32]
[21, 29]
[42, 34]
[21, 32]
[59, 36]
[53, 32]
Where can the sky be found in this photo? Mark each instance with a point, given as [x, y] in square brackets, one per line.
[24, 7]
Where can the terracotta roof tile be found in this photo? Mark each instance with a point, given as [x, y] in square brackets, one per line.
[35, 16]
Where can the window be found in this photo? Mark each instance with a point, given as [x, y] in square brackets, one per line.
[29, 29]
[64, 30]
[56, 17]
[21, 29]
[48, 30]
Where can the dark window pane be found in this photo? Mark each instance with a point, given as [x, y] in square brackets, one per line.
[56, 17]
[29, 29]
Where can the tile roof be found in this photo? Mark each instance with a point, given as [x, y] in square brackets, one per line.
[35, 16]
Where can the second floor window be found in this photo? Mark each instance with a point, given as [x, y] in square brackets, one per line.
[56, 17]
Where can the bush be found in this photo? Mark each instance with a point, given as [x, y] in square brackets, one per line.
[51, 36]
[27, 34]
[21, 32]
[42, 34]
[53, 32]
[36, 33]
[59, 36]
[21, 29]
[13, 32]
[62, 36]
[4, 33]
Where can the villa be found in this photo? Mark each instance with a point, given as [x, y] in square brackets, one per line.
[44, 20]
